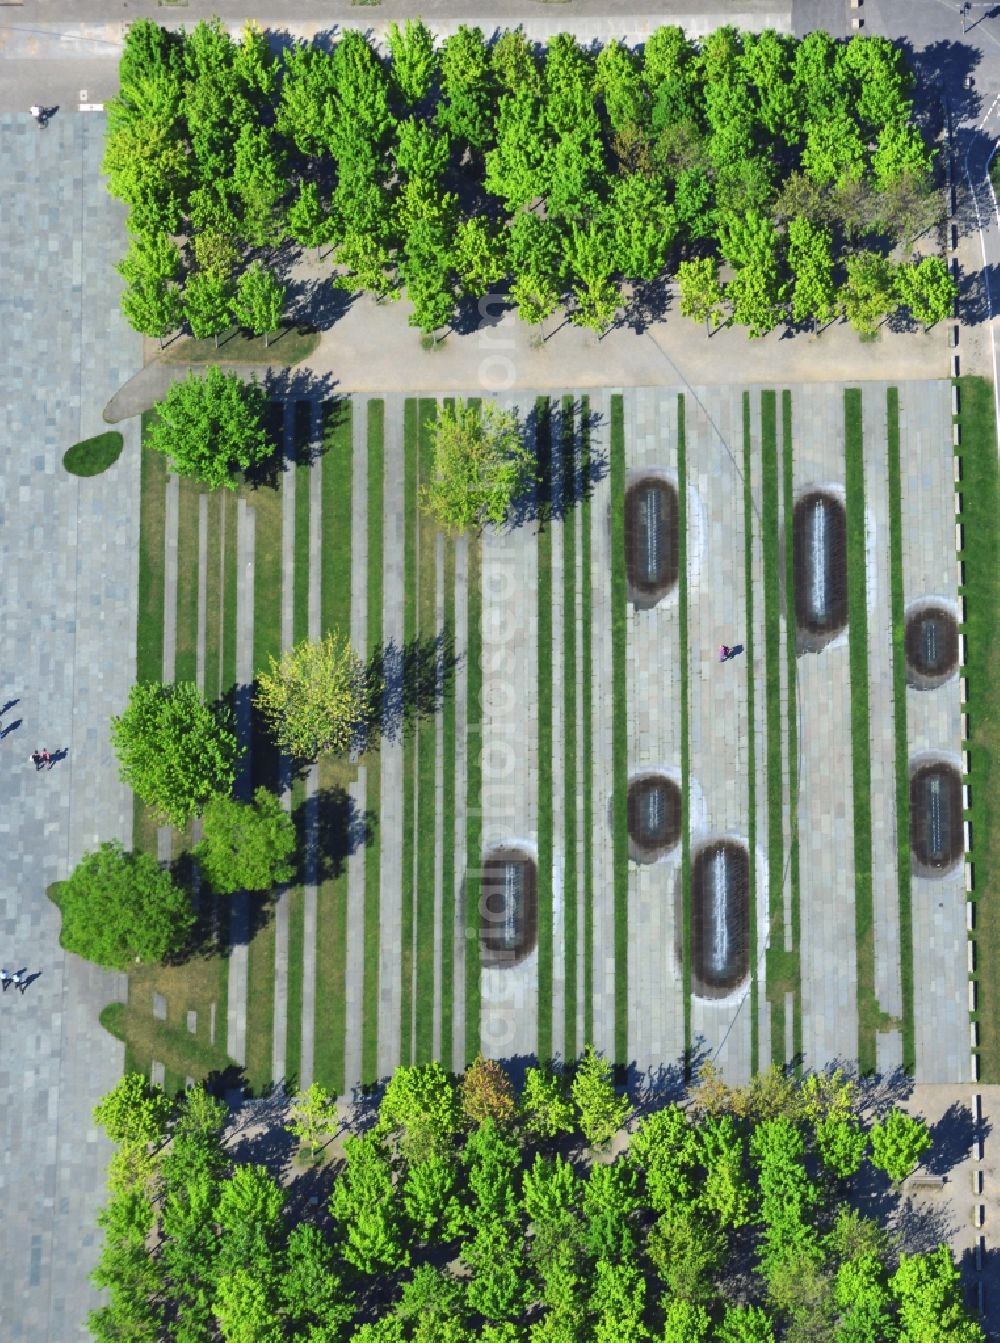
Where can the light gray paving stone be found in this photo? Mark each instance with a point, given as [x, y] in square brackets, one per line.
[881, 699]
[583, 840]
[439, 836]
[202, 589]
[826, 836]
[391, 782]
[559, 838]
[170, 522]
[934, 729]
[236, 1011]
[655, 977]
[718, 721]
[509, 1014]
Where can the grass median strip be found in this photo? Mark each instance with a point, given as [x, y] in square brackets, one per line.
[186, 646]
[546, 465]
[857, 605]
[587, 722]
[682, 600]
[426, 743]
[791, 710]
[569, 466]
[152, 560]
[373, 780]
[981, 590]
[898, 601]
[619, 713]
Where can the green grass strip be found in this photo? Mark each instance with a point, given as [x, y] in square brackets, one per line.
[426, 733]
[791, 710]
[229, 538]
[335, 577]
[857, 605]
[898, 599]
[981, 559]
[300, 577]
[296, 943]
[152, 560]
[748, 529]
[335, 776]
[186, 646]
[587, 725]
[570, 938]
[545, 456]
[411, 450]
[619, 711]
[682, 602]
[448, 751]
[373, 785]
[473, 799]
[780, 979]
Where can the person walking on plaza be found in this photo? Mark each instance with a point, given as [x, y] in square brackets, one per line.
[46, 758]
[6, 979]
[36, 112]
[36, 759]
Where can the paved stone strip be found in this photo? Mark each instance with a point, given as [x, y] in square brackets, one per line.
[439, 837]
[309, 917]
[171, 515]
[355, 963]
[655, 973]
[885, 884]
[509, 1024]
[933, 720]
[582, 839]
[461, 797]
[556, 528]
[764, 875]
[718, 726]
[603, 731]
[391, 809]
[239, 932]
[826, 815]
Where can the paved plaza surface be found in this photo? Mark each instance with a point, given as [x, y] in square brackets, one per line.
[68, 558]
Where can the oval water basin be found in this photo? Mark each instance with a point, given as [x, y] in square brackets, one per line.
[931, 646]
[654, 816]
[936, 817]
[508, 906]
[819, 526]
[720, 917]
[651, 544]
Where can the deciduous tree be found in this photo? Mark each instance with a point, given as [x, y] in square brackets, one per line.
[259, 300]
[480, 466]
[600, 1110]
[315, 697]
[898, 1143]
[247, 846]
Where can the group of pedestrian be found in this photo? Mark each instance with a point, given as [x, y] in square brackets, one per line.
[19, 979]
[41, 758]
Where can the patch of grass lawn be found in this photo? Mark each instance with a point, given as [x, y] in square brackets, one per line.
[411, 451]
[285, 348]
[898, 601]
[373, 853]
[214, 594]
[619, 710]
[448, 744]
[300, 578]
[545, 458]
[981, 559]
[569, 761]
[186, 648]
[857, 605]
[152, 559]
[296, 942]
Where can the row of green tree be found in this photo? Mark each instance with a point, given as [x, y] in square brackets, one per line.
[443, 172]
[469, 1211]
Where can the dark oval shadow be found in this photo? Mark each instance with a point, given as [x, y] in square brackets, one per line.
[652, 551]
[931, 643]
[819, 530]
[720, 917]
[654, 816]
[508, 906]
[936, 832]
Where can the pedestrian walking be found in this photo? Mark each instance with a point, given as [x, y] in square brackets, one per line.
[6, 978]
[22, 983]
[36, 759]
[723, 652]
[39, 114]
[17, 981]
[46, 758]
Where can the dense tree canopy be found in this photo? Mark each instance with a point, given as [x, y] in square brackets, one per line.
[721, 1221]
[211, 427]
[443, 171]
[119, 907]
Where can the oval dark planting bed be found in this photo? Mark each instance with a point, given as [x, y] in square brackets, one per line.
[720, 917]
[651, 543]
[819, 528]
[654, 816]
[935, 817]
[508, 906]
[931, 646]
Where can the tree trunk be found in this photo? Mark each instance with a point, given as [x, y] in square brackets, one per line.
[265, 340]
